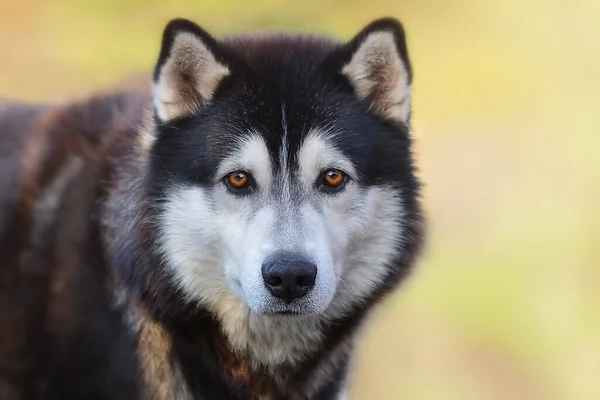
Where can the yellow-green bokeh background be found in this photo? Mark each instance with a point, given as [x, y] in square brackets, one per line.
[506, 300]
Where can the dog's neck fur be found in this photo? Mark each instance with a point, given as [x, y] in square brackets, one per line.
[223, 348]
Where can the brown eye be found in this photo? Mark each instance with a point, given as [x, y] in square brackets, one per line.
[237, 180]
[332, 180]
[333, 177]
[239, 183]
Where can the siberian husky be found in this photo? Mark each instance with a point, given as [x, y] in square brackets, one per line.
[218, 233]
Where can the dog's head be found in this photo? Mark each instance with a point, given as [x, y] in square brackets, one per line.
[281, 166]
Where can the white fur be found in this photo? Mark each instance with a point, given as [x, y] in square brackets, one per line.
[251, 155]
[362, 227]
[216, 243]
[318, 153]
[283, 159]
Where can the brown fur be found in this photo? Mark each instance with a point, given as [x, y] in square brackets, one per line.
[87, 309]
[158, 377]
[54, 280]
[55, 156]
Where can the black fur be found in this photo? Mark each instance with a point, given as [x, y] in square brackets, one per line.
[270, 74]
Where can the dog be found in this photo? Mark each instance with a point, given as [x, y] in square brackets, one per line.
[219, 231]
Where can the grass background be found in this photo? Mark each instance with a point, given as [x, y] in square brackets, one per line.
[506, 301]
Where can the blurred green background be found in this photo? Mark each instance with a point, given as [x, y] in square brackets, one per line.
[506, 301]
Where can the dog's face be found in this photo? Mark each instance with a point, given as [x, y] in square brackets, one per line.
[282, 166]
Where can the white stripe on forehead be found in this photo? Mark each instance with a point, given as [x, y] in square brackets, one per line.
[283, 157]
[251, 155]
[318, 153]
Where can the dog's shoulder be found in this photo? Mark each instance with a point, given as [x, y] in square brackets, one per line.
[52, 274]
[40, 143]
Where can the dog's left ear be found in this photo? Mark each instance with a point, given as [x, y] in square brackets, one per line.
[379, 69]
[190, 67]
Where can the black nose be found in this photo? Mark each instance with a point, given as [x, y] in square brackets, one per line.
[289, 279]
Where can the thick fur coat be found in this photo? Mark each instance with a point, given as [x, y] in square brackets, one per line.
[131, 268]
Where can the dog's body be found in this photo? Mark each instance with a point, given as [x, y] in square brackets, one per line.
[153, 245]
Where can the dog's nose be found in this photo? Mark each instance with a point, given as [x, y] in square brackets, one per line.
[289, 279]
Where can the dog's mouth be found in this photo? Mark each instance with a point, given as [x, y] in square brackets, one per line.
[288, 312]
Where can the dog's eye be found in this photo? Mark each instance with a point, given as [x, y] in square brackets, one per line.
[332, 180]
[239, 182]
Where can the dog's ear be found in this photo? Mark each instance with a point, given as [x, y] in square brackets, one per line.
[188, 71]
[377, 65]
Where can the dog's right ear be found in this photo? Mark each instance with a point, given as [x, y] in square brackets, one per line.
[188, 71]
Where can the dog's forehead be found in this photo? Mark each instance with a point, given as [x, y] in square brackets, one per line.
[285, 96]
[282, 124]
[283, 77]
[302, 129]
[317, 150]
